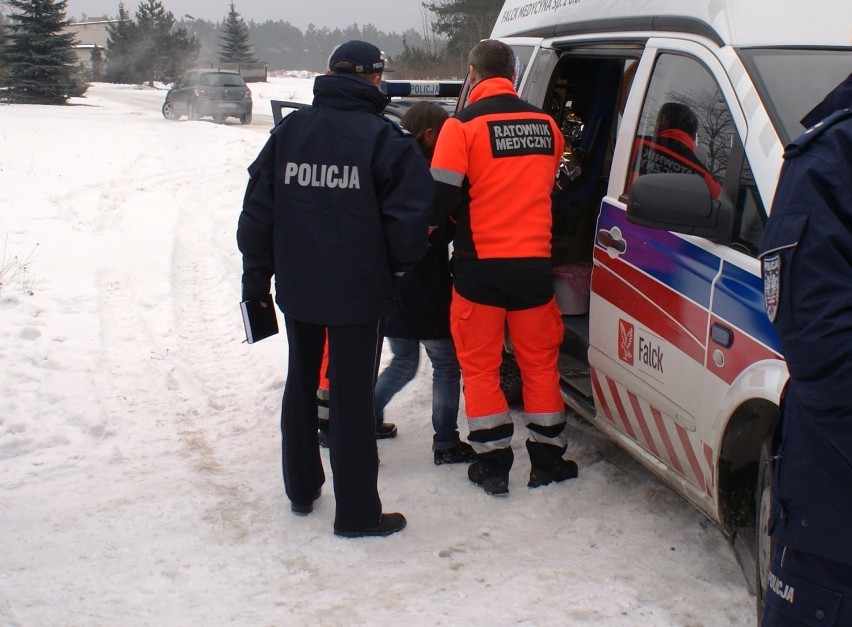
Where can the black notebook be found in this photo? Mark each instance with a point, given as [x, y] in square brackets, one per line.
[260, 322]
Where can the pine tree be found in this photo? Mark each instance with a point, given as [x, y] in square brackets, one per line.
[235, 46]
[162, 55]
[464, 22]
[121, 40]
[3, 36]
[39, 57]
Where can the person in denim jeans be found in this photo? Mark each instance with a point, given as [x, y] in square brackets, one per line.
[423, 317]
[446, 390]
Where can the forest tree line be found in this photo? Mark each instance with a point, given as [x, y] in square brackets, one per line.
[151, 44]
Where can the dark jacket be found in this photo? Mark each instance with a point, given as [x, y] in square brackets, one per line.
[338, 200]
[806, 254]
[423, 311]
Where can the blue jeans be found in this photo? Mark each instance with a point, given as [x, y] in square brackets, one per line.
[446, 384]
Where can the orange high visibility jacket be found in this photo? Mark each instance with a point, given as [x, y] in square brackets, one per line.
[494, 167]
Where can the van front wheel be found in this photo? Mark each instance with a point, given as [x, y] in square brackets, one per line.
[763, 542]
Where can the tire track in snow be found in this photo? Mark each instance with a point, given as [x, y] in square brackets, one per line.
[221, 438]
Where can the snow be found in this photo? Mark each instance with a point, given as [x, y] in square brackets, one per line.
[139, 440]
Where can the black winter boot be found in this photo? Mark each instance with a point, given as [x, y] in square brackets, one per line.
[560, 470]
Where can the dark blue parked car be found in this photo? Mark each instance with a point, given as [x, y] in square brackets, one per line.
[209, 93]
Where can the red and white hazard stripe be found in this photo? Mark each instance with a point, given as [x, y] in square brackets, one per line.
[656, 432]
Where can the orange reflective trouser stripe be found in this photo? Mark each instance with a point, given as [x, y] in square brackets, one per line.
[536, 333]
[322, 390]
[323, 380]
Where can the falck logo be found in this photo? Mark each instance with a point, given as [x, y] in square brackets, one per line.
[626, 334]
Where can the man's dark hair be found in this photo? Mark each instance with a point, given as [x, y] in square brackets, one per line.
[422, 115]
[492, 58]
[679, 116]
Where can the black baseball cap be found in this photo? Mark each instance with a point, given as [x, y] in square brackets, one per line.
[357, 57]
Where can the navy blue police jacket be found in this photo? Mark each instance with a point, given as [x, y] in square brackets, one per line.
[806, 256]
[338, 202]
[424, 295]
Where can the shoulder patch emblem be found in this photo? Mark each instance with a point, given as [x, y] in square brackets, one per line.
[771, 285]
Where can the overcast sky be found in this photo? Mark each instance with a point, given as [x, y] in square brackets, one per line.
[386, 15]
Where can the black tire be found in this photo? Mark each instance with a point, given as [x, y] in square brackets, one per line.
[245, 119]
[192, 111]
[169, 111]
[763, 544]
[510, 378]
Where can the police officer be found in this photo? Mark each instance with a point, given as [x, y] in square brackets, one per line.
[337, 204]
[806, 255]
[494, 168]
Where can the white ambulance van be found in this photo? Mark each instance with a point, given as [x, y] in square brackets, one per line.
[667, 346]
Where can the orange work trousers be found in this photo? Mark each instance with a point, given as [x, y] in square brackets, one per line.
[536, 333]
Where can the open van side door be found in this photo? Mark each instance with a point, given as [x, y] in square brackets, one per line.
[657, 337]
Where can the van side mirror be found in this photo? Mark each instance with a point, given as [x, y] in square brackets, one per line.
[679, 203]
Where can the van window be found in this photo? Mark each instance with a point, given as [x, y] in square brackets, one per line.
[686, 127]
[523, 54]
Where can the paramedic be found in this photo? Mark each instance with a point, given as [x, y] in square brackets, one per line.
[673, 147]
[494, 168]
[806, 257]
[335, 207]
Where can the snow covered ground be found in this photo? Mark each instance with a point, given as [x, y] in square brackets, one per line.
[139, 445]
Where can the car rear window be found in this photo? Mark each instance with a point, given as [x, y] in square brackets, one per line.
[222, 80]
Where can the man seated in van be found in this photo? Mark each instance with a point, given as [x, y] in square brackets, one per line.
[672, 149]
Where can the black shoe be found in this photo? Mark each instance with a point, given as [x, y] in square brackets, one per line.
[495, 485]
[389, 523]
[386, 431]
[458, 454]
[304, 510]
[561, 470]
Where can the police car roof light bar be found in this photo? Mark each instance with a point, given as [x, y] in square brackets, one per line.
[440, 89]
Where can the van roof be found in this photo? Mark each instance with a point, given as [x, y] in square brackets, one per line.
[735, 22]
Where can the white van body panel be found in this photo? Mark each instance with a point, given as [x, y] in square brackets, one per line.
[736, 22]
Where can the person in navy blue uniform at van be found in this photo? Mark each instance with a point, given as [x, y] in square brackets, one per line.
[337, 205]
[806, 256]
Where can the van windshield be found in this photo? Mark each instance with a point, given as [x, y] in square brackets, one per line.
[791, 82]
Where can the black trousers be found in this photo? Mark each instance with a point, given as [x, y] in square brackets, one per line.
[806, 589]
[354, 352]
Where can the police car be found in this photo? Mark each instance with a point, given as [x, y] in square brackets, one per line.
[401, 94]
[668, 349]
